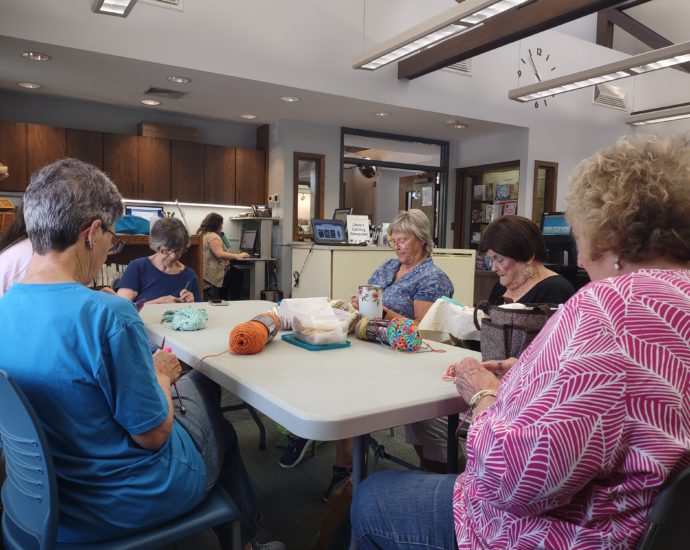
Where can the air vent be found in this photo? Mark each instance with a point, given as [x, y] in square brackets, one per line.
[170, 4]
[462, 67]
[166, 94]
[610, 96]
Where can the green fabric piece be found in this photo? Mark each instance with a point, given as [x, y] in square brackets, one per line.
[187, 318]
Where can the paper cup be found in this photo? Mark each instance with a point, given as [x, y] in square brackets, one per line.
[371, 301]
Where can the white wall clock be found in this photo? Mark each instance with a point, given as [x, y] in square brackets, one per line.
[540, 64]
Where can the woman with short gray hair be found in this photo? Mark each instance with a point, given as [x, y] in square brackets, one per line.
[161, 278]
[124, 461]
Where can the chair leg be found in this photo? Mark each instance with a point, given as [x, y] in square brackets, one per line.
[260, 425]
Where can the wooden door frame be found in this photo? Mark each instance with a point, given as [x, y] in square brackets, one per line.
[551, 169]
[320, 162]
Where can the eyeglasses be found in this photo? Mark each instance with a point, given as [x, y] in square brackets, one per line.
[177, 251]
[394, 243]
[117, 244]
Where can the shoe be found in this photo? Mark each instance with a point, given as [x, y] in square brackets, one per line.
[295, 451]
[339, 477]
[273, 545]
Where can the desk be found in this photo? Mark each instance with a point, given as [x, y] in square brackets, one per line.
[257, 274]
[325, 395]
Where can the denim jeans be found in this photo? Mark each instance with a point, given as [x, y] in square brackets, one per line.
[404, 510]
[216, 440]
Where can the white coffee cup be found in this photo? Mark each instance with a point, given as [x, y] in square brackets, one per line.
[371, 301]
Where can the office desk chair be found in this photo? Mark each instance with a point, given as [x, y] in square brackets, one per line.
[668, 525]
[29, 494]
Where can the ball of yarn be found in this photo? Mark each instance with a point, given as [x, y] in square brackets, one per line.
[186, 318]
[347, 306]
[403, 334]
[251, 337]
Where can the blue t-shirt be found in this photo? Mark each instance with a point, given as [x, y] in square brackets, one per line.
[82, 359]
[150, 282]
[424, 282]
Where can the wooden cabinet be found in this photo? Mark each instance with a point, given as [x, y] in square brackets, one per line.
[44, 144]
[219, 174]
[121, 163]
[13, 155]
[154, 169]
[187, 171]
[85, 145]
[249, 177]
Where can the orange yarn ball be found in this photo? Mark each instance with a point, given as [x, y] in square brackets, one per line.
[248, 338]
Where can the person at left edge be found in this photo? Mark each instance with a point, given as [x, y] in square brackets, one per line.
[162, 278]
[123, 462]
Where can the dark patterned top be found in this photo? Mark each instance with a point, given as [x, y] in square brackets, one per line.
[424, 282]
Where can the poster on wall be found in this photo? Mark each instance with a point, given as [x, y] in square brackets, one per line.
[505, 192]
[510, 208]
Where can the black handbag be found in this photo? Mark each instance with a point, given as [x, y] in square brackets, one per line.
[507, 332]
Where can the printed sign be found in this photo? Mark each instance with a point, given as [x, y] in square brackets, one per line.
[357, 229]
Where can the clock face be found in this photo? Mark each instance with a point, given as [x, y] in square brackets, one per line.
[538, 63]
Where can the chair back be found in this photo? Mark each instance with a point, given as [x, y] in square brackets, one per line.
[668, 525]
[29, 493]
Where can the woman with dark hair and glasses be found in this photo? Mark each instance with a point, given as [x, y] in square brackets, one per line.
[162, 278]
[124, 458]
[516, 252]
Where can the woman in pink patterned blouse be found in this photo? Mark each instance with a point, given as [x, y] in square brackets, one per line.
[570, 447]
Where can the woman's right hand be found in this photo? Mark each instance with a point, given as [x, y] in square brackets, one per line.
[166, 364]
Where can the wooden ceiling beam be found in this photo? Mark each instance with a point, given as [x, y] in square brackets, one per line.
[507, 27]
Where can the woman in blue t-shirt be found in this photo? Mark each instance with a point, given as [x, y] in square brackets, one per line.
[162, 278]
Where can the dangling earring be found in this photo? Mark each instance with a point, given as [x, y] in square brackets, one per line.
[529, 271]
[616, 264]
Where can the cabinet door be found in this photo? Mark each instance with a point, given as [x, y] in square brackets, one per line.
[45, 144]
[85, 145]
[13, 155]
[187, 171]
[121, 163]
[154, 168]
[249, 177]
[219, 174]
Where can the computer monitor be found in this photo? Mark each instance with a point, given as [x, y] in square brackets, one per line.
[146, 212]
[554, 224]
[248, 241]
[342, 214]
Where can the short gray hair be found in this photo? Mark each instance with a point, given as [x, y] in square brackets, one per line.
[62, 198]
[417, 223]
[168, 233]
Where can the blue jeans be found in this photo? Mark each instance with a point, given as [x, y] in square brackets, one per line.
[399, 510]
[216, 440]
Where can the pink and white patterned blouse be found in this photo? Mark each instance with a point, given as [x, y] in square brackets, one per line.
[588, 424]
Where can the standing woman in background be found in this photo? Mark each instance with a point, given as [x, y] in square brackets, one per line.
[15, 252]
[216, 257]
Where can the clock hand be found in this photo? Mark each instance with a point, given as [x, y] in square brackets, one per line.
[534, 67]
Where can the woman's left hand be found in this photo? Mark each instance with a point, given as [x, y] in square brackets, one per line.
[186, 296]
[471, 377]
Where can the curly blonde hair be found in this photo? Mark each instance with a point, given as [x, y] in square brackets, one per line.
[634, 199]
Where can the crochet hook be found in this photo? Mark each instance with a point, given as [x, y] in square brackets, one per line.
[183, 409]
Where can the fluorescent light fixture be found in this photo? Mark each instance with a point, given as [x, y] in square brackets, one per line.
[120, 8]
[170, 203]
[660, 114]
[637, 64]
[456, 20]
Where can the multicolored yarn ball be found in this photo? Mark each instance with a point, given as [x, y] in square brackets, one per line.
[186, 318]
[251, 337]
[403, 334]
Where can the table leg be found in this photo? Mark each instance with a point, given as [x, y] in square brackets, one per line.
[358, 471]
[452, 456]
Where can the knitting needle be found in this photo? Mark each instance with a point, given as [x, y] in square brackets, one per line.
[185, 288]
[183, 409]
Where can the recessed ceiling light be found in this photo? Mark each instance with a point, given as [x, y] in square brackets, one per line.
[36, 56]
[152, 102]
[179, 79]
[381, 113]
[248, 116]
[455, 123]
[28, 85]
[290, 98]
